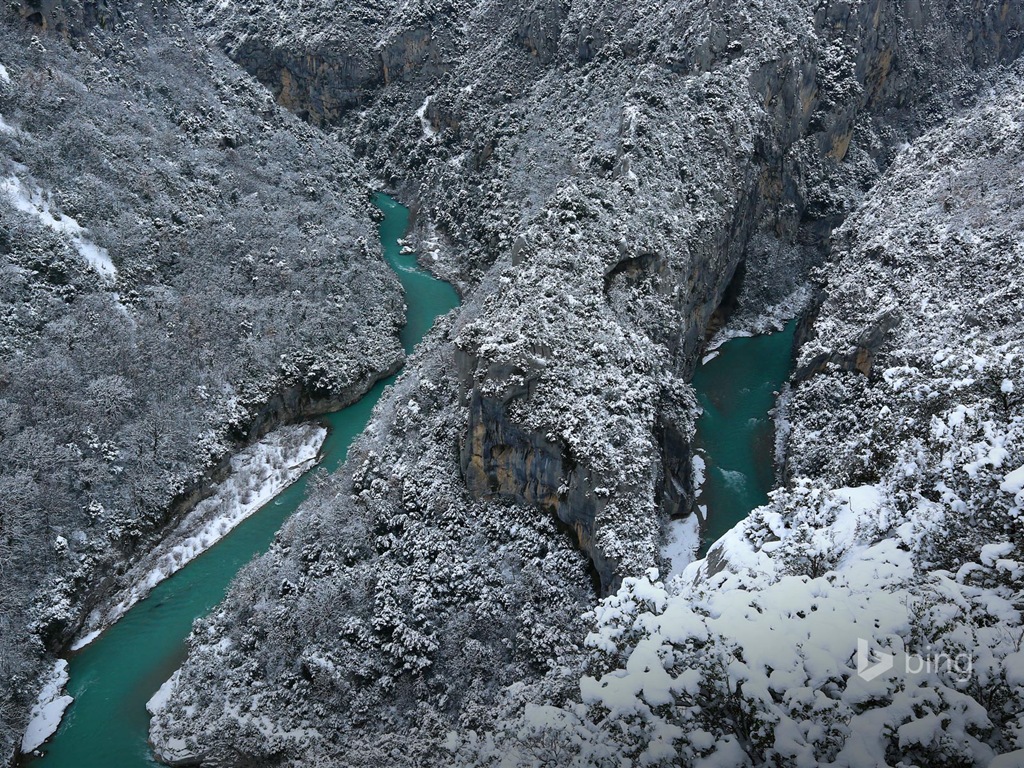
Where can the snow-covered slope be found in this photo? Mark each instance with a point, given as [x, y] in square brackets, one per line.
[391, 598]
[182, 265]
[870, 614]
[594, 176]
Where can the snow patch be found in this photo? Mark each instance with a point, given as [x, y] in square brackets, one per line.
[681, 545]
[258, 474]
[429, 131]
[85, 639]
[5, 76]
[863, 498]
[1014, 481]
[1009, 760]
[35, 203]
[159, 699]
[699, 467]
[48, 709]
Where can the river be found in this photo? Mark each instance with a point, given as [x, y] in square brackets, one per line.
[113, 677]
[737, 389]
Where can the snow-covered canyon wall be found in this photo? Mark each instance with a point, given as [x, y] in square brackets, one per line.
[592, 176]
[183, 266]
[870, 614]
[628, 159]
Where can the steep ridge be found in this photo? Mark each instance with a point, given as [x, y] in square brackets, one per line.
[593, 177]
[616, 164]
[870, 613]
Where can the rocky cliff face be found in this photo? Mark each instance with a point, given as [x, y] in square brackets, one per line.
[499, 458]
[70, 18]
[593, 176]
[742, 133]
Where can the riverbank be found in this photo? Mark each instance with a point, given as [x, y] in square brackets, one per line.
[258, 473]
[114, 677]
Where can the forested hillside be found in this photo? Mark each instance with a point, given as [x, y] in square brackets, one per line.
[898, 522]
[188, 261]
[600, 179]
[184, 264]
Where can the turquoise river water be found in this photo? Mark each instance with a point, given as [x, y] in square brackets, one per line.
[735, 434]
[114, 676]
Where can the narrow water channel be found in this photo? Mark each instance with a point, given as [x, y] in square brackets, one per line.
[113, 677]
[737, 389]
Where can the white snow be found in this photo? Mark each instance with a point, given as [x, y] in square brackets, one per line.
[258, 474]
[1014, 481]
[7, 128]
[859, 502]
[1013, 759]
[159, 699]
[796, 634]
[699, 469]
[1013, 664]
[991, 553]
[35, 203]
[85, 639]
[48, 709]
[429, 131]
[682, 542]
[5, 76]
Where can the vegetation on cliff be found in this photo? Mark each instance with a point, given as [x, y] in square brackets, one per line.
[176, 252]
[593, 180]
[602, 180]
[896, 532]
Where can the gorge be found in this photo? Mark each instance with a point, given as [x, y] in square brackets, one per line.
[115, 676]
[485, 581]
